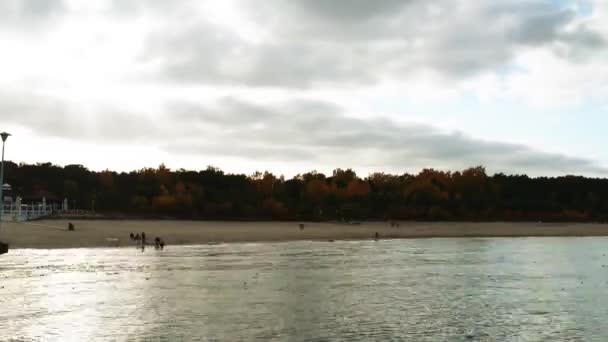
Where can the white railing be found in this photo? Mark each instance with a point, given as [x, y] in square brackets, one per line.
[15, 213]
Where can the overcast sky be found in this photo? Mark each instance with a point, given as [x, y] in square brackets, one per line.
[519, 86]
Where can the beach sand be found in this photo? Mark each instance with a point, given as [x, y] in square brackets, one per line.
[101, 233]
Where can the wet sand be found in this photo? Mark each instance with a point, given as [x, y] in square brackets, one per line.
[101, 233]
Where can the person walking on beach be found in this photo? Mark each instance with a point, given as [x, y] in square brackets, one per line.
[143, 238]
[162, 244]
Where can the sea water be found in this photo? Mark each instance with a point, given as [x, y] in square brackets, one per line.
[504, 289]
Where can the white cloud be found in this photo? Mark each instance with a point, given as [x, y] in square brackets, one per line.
[127, 71]
[549, 81]
[322, 134]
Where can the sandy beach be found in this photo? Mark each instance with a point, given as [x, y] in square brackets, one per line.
[101, 233]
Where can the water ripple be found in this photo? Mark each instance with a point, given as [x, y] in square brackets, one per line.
[421, 290]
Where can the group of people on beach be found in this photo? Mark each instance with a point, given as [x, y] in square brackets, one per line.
[141, 241]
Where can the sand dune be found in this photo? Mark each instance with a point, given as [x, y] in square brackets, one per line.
[98, 233]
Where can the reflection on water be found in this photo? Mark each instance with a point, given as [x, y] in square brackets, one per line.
[419, 290]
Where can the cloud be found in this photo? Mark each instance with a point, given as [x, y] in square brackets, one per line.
[308, 43]
[53, 117]
[302, 79]
[138, 7]
[349, 10]
[305, 131]
[28, 14]
[321, 133]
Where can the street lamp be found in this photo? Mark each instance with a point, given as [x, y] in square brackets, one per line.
[4, 136]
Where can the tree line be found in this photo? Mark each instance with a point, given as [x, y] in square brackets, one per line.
[211, 194]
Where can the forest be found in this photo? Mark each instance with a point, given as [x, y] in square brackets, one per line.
[211, 194]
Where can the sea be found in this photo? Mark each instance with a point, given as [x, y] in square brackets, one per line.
[440, 289]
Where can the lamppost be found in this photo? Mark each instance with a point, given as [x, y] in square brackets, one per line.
[4, 136]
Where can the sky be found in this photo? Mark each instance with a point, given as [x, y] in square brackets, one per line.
[289, 86]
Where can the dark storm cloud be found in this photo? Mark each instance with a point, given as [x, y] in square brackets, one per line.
[342, 42]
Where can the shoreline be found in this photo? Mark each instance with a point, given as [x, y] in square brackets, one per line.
[51, 234]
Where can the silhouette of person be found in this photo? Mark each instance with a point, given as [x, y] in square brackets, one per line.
[376, 236]
[143, 238]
